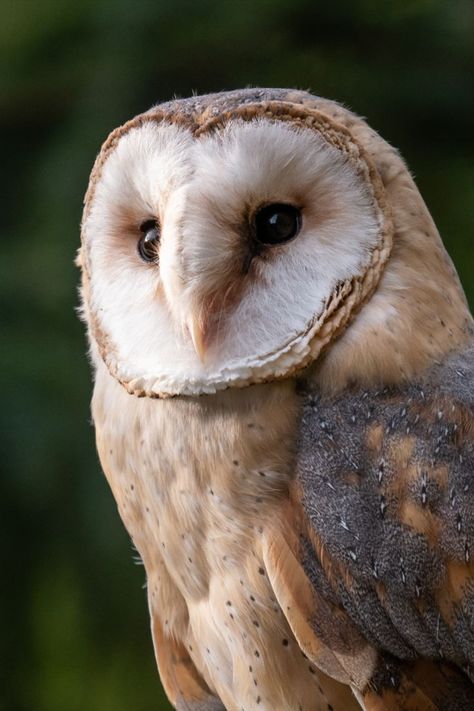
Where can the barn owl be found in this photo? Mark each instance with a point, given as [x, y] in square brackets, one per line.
[283, 404]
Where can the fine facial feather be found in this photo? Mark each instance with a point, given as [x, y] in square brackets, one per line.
[205, 208]
[253, 596]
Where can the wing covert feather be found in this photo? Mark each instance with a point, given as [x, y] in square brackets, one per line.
[384, 510]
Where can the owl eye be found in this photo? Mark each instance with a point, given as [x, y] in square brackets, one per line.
[277, 223]
[149, 241]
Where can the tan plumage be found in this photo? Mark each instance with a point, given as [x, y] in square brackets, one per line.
[293, 504]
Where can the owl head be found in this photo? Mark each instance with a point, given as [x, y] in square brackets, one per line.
[231, 239]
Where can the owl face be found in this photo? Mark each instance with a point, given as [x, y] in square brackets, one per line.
[227, 252]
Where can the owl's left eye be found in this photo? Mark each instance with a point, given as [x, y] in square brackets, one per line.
[277, 223]
[149, 241]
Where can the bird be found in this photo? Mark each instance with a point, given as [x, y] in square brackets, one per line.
[283, 365]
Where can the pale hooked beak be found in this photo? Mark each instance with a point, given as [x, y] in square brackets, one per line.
[198, 338]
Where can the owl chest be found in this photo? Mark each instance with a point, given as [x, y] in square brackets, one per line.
[194, 494]
[197, 489]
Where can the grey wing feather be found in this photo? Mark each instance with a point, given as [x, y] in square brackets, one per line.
[386, 482]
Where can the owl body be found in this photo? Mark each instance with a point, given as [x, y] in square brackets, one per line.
[283, 406]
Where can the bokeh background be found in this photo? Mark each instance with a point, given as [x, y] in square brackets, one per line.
[74, 623]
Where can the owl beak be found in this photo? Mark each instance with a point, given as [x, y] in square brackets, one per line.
[198, 338]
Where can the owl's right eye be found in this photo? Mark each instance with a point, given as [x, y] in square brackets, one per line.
[149, 241]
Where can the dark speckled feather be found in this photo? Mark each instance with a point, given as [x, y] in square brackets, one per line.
[213, 104]
[386, 482]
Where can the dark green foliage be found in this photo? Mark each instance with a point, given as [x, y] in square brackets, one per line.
[74, 618]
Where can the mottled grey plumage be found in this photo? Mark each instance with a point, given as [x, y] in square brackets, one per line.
[213, 104]
[387, 484]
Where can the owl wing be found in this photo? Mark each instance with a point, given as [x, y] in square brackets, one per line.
[375, 570]
[184, 686]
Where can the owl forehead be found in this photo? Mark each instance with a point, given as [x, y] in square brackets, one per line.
[240, 162]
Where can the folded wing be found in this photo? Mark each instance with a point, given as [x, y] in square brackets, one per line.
[375, 571]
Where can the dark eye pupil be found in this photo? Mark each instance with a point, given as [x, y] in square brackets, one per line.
[277, 223]
[149, 241]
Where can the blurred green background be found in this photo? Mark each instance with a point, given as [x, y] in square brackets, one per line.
[74, 623]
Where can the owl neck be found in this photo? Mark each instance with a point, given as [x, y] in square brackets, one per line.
[417, 315]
